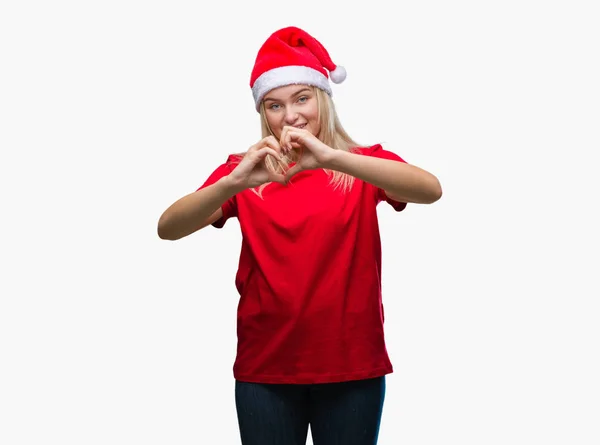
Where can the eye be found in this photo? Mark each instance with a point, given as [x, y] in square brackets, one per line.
[273, 106]
[303, 99]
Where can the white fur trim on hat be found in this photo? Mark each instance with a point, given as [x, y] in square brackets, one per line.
[288, 75]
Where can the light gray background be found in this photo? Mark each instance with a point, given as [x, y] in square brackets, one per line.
[110, 111]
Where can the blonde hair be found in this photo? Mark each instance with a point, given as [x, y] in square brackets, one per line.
[331, 133]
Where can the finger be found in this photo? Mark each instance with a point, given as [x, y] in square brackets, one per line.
[255, 147]
[282, 139]
[285, 139]
[270, 141]
[294, 141]
[263, 152]
[294, 138]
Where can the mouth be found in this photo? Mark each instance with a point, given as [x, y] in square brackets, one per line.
[300, 126]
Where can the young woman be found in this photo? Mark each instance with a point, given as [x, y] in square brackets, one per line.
[311, 348]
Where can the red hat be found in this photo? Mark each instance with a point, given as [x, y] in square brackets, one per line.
[292, 56]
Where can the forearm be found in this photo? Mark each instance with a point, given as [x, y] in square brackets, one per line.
[400, 181]
[190, 212]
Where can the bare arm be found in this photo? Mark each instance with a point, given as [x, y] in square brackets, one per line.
[203, 207]
[196, 210]
[400, 181]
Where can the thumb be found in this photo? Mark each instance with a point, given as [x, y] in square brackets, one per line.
[275, 177]
[292, 171]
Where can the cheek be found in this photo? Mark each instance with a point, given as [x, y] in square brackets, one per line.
[274, 124]
[314, 119]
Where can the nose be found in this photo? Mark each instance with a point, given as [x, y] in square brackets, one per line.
[291, 116]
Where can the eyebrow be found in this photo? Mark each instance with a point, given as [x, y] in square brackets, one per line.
[295, 94]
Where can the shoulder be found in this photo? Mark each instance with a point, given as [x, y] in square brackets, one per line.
[366, 150]
[232, 160]
[377, 151]
[224, 168]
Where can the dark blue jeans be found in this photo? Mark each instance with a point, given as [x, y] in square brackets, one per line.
[346, 413]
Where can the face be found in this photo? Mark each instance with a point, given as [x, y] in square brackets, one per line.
[292, 105]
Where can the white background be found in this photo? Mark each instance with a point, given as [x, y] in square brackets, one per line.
[110, 111]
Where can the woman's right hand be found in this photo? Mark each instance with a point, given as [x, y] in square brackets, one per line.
[252, 171]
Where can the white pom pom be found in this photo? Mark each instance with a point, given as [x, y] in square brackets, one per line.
[338, 75]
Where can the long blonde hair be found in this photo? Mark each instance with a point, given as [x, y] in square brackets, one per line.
[331, 133]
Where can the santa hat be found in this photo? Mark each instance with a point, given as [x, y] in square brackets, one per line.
[292, 56]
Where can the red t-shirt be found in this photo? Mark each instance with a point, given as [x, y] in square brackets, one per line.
[309, 279]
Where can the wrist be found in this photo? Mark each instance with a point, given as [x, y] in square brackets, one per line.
[231, 186]
[336, 160]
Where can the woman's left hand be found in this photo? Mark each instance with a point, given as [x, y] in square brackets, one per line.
[313, 153]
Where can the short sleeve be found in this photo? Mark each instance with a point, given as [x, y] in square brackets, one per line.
[229, 208]
[378, 152]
